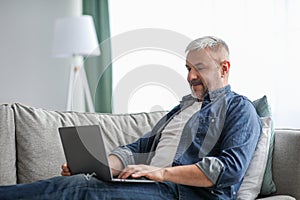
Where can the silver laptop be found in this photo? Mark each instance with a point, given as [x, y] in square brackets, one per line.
[85, 152]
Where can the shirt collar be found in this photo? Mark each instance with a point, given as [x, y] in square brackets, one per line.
[213, 95]
[187, 101]
[210, 96]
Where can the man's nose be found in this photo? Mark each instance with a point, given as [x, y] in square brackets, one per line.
[192, 76]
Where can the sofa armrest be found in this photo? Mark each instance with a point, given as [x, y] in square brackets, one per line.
[286, 162]
[8, 174]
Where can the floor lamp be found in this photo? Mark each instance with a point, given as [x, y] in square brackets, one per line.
[76, 37]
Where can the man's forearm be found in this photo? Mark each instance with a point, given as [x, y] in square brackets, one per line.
[187, 175]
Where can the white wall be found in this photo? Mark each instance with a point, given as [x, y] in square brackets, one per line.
[263, 37]
[29, 74]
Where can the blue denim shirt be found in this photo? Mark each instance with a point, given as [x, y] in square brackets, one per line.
[220, 139]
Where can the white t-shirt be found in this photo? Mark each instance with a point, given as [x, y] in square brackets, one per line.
[169, 140]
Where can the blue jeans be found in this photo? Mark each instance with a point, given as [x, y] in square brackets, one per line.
[87, 187]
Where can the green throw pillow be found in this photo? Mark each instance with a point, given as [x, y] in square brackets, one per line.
[263, 109]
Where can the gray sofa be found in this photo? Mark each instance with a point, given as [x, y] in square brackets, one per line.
[30, 147]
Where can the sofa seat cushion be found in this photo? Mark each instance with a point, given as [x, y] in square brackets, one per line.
[39, 149]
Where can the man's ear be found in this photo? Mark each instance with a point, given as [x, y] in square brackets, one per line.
[225, 67]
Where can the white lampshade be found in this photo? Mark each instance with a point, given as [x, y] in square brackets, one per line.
[75, 36]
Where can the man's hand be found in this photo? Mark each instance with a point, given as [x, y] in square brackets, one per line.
[115, 163]
[65, 170]
[136, 171]
[186, 174]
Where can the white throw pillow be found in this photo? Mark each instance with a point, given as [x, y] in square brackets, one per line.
[253, 178]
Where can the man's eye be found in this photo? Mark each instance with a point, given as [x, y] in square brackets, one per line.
[188, 68]
[199, 68]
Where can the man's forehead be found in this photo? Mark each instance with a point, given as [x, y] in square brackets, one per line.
[197, 56]
[206, 55]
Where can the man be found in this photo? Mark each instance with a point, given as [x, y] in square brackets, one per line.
[199, 150]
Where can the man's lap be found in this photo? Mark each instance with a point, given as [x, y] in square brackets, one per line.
[86, 187]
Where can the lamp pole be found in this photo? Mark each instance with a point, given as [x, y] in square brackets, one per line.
[77, 71]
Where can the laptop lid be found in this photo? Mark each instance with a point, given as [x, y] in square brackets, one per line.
[85, 151]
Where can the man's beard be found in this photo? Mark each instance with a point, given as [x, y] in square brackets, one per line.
[198, 95]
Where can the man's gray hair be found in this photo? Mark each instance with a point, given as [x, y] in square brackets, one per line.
[212, 42]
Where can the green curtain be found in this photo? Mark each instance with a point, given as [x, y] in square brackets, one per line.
[99, 68]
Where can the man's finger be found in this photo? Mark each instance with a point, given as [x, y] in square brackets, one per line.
[128, 171]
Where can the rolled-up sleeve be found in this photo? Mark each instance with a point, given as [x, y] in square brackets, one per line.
[212, 167]
[124, 154]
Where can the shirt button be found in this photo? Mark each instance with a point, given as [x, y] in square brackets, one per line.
[212, 120]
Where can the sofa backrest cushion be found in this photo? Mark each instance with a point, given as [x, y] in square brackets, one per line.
[7, 146]
[39, 149]
[286, 162]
